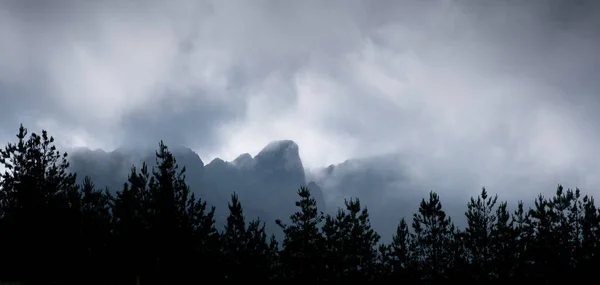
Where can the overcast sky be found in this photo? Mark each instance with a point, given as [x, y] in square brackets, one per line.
[485, 91]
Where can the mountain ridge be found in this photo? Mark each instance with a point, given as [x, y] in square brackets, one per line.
[267, 183]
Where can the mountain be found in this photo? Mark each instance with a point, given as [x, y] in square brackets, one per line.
[387, 186]
[266, 184]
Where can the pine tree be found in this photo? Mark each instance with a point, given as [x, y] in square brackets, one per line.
[590, 234]
[333, 247]
[565, 234]
[162, 230]
[247, 253]
[234, 242]
[434, 243]
[277, 269]
[524, 235]
[95, 232]
[543, 244]
[503, 244]
[402, 262]
[351, 240]
[303, 241]
[481, 222]
[132, 243]
[169, 196]
[259, 253]
[39, 209]
[204, 242]
[576, 217]
[384, 267]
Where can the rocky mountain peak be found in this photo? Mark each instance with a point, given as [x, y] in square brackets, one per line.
[282, 154]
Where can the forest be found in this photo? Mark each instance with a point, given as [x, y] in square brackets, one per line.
[154, 230]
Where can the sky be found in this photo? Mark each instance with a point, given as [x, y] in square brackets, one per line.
[468, 93]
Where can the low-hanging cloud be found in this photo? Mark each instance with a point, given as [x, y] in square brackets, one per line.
[470, 93]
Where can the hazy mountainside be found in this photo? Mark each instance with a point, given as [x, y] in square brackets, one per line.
[267, 183]
[384, 185]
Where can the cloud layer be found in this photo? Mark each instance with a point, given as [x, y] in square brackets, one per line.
[468, 93]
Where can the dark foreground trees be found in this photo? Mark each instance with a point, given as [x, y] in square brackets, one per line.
[156, 231]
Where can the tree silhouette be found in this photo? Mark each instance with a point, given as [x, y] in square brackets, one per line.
[156, 231]
[351, 244]
[247, 254]
[170, 230]
[39, 209]
[260, 253]
[233, 239]
[590, 235]
[481, 222]
[401, 254]
[503, 245]
[95, 232]
[132, 222]
[303, 244]
[434, 238]
[203, 240]
[523, 237]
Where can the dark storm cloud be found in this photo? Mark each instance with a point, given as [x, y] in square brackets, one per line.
[167, 121]
[470, 93]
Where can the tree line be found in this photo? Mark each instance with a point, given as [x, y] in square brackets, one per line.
[156, 231]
